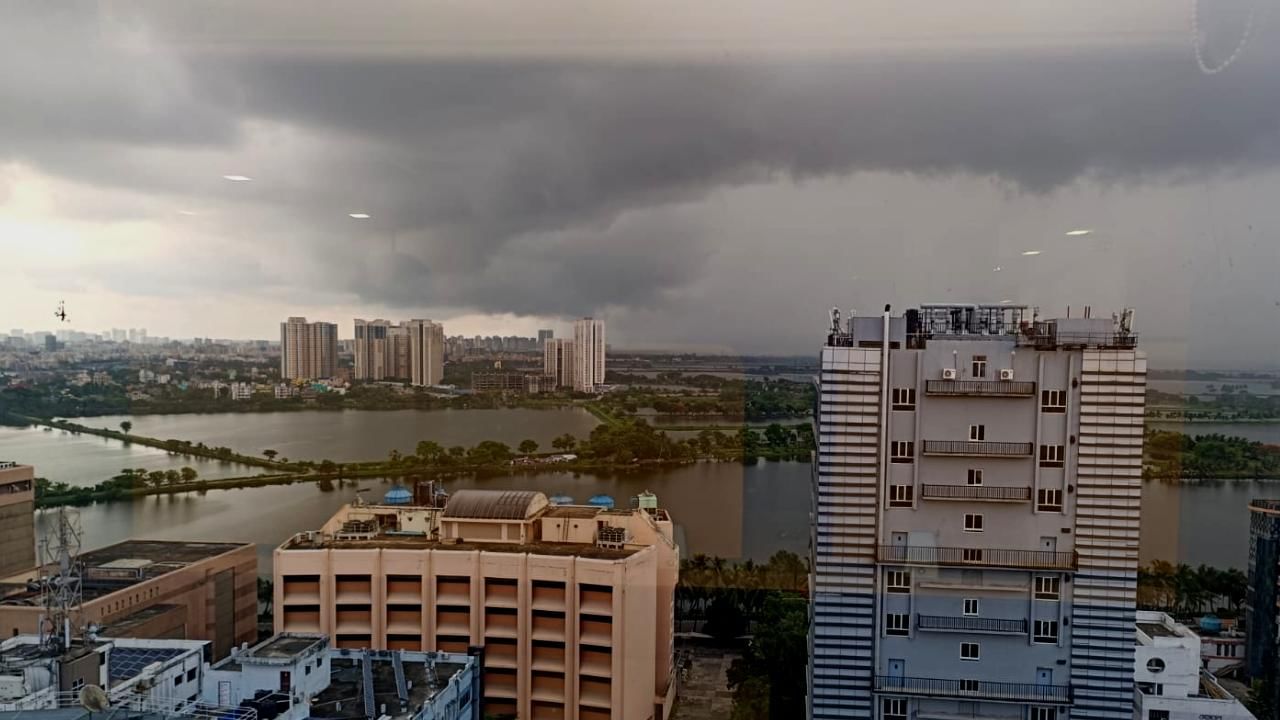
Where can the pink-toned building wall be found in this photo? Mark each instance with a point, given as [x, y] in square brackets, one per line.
[570, 630]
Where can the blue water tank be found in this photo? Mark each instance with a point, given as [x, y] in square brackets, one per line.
[561, 500]
[398, 495]
[1211, 624]
[602, 501]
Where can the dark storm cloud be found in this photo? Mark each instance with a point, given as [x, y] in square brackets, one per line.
[554, 187]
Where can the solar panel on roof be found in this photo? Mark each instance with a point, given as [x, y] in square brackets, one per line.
[129, 662]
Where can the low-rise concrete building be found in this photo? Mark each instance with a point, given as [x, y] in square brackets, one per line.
[294, 676]
[572, 605]
[1169, 683]
[17, 517]
[151, 589]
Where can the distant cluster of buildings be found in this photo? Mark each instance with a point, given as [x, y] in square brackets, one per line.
[577, 363]
[412, 350]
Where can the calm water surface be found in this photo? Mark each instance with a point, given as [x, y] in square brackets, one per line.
[350, 435]
[720, 509]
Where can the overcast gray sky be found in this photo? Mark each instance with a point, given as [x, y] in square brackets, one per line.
[711, 177]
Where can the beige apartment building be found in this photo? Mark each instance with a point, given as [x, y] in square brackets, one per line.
[307, 350]
[588, 355]
[572, 605]
[426, 352]
[557, 361]
[152, 589]
[17, 518]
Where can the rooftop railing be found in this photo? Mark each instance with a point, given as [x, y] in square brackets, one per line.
[977, 557]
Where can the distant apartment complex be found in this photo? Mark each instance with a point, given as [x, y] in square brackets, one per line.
[572, 605]
[976, 500]
[307, 350]
[557, 361]
[1262, 599]
[588, 354]
[151, 589]
[544, 336]
[17, 518]
[412, 350]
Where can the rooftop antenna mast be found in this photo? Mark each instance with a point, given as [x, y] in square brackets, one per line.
[60, 579]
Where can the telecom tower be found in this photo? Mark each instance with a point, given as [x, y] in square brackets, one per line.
[60, 580]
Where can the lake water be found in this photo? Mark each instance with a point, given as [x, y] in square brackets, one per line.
[721, 509]
[89, 459]
[351, 435]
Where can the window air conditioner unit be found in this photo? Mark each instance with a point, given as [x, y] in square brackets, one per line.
[948, 373]
[1006, 374]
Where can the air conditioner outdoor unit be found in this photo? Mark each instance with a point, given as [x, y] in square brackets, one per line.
[948, 373]
[1006, 374]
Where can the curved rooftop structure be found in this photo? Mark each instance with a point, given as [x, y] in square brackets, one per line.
[398, 495]
[495, 504]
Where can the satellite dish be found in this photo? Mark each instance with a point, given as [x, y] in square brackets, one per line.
[93, 699]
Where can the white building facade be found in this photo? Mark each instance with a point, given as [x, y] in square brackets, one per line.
[588, 355]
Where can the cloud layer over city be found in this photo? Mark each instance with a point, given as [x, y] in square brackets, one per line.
[710, 199]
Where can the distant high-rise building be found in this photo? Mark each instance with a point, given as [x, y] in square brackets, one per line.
[307, 350]
[976, 499]
[544, 336]
[50, 342]
[557, 361]
[426, 352]
[119, 334]
[588, 354]
[371, 349]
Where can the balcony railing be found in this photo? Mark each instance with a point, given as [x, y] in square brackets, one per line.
[950, 623]
[988, 388]
[976, 448]
[975, 492]
[974, 689]
[977, 557]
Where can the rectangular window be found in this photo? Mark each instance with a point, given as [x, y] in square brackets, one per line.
[901, 495]
[191, 674]
[979, 366]
[1049, 499]
[977, 433]
[1045, 631]
[1048, 587]
[971, 606]
[970, 651]
[902, 451]
[898, 581]
[893, 708]
[1054, 401]
[1043, 713]
[1157, 715]
[971, 555]
[975, 477]
[897, 623]
[972, 522]
[969, 686]
[1051, 455]
[904, 398]
[177, 680]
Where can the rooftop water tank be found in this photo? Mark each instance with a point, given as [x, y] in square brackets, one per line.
[647, 501]
[601, 501]
[561, 500]
[1211, 624]
[397, 495]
